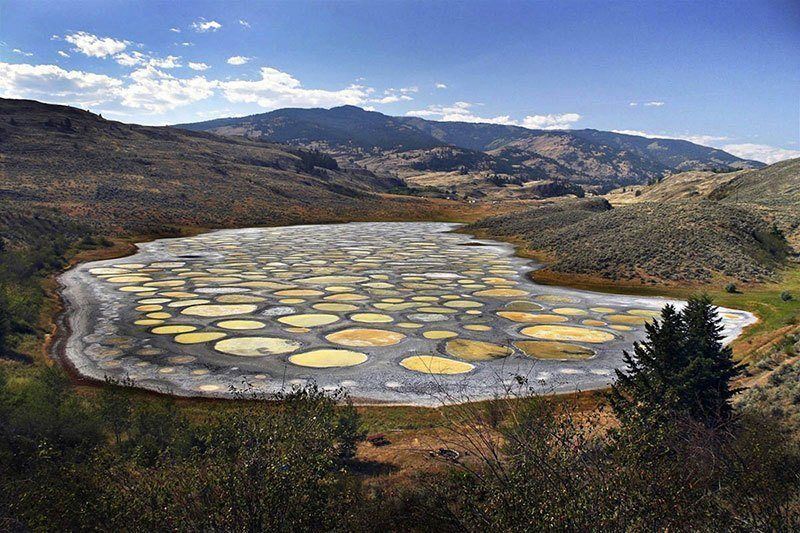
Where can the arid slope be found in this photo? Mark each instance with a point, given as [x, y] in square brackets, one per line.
[126, 177]
[674, 243]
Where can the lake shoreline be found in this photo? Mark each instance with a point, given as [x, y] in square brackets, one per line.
[78, 302]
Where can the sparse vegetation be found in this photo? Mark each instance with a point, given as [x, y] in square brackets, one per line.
[667, 466]
[675, 242]
[172, 177]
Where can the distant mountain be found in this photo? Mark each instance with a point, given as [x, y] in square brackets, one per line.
[511, 154]
[340, 126]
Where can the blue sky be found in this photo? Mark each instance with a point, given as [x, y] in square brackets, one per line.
[725, 74]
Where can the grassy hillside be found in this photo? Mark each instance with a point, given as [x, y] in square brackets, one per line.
[136, 178]
[695, 184]
[774, 191]
[678, 242]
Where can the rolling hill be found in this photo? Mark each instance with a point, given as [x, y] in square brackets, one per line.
[773, 191]
[666, 243]
[125, 177]
[490, 153]
[689, 227]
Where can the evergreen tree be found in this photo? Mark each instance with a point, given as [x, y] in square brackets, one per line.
[647, 389]
[707, 377]
[680, 369]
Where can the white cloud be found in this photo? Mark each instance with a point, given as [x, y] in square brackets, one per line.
[390, 99]
[202, 25]
[198, 66]
[135, 58]
[457, 112]
[94, 46]
[652, 103]
[130, 59]
[278, 89]
[175, 30]
[563, 121]
[157, 91]
[63, 53]
[642, 134]
[187, 43]
[215, 113]
[244, 23]
[54, 84]
[462, 112]
[22, 53]
[441, 85]
[166, 62]
[761, 152]
[149, 88]
[238, 60]
[705, 140]
[391, 96]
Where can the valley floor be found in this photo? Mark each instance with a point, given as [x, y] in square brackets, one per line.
[413, 433]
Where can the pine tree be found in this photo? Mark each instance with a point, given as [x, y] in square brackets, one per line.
[681, 369]
[647, 388]
[707, 377]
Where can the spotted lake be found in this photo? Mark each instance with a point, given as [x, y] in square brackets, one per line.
[407, 313]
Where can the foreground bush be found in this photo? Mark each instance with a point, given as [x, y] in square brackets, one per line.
[551, 471]
[261, 466]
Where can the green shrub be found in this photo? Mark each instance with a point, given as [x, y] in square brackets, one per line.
[730, 288]
[5, 323]
[786, 296]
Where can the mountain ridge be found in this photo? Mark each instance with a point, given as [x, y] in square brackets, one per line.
[595, 159]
